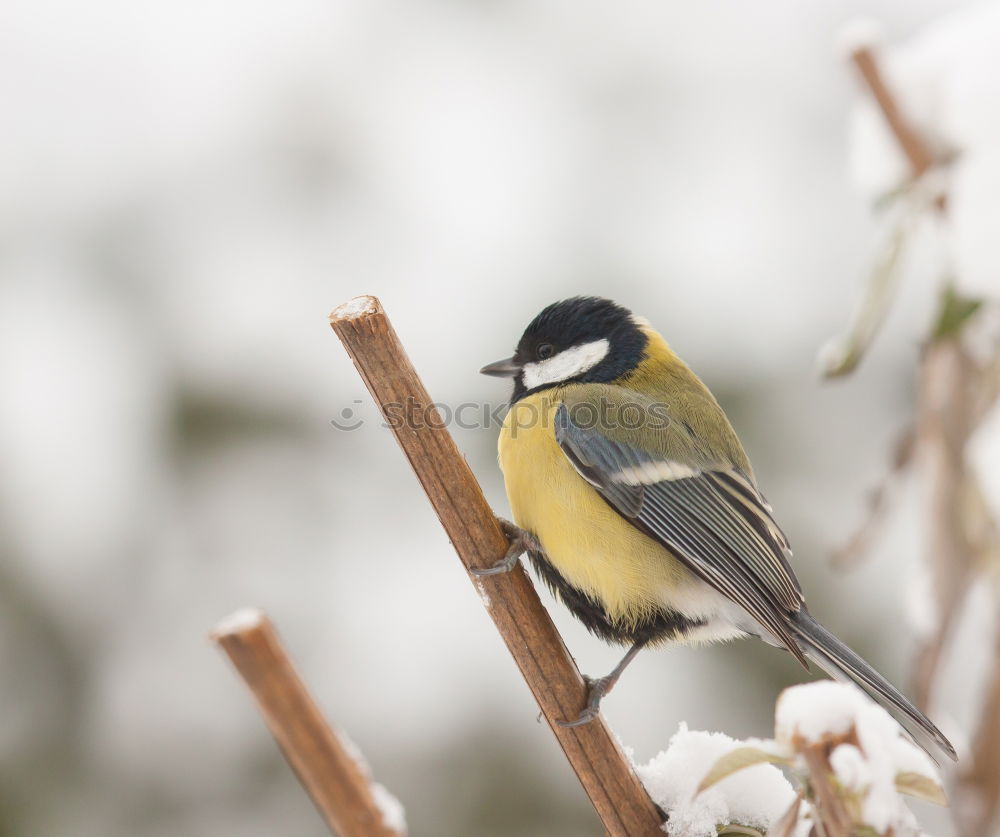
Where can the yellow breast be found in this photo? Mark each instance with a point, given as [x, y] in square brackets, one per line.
[589, 543]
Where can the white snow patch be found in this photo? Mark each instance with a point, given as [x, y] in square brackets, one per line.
[816, 711]
[758, 796]
[755, 797]
[357, 307]
[483, 594]
[354, 751]
[850, 767]
[393, 812]
[887, 754]
[244, 619]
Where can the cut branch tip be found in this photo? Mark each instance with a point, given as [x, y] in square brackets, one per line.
[355, 309]
[242, 621]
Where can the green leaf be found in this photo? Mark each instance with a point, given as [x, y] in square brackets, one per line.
[922, 787]
[736, 760]
[954, 312]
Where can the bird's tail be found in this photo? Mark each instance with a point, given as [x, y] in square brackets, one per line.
[841, 663]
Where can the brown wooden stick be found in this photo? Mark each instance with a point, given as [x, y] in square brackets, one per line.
[910, 141]
[332, 773]
[835, 819]
[621, 802]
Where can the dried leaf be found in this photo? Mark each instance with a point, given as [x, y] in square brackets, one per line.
[841, 355]
[922, 787]
[736, 760]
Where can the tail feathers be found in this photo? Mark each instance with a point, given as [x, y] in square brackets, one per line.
[841, 663]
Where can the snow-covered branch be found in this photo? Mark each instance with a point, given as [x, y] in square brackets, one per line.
[925, 149]
[329, 765]
[848, 765]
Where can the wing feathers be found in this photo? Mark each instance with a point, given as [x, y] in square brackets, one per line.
[712, 519]
[688, 537]
[758, 536]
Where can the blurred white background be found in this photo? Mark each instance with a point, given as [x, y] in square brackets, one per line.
[187, 189]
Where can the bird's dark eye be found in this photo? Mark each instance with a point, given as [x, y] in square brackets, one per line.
[544, 351]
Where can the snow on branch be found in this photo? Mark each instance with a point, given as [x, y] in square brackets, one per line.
[852, 763]
[925, 149]
[329, 765]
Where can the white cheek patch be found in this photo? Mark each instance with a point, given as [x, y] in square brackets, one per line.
[565, 365]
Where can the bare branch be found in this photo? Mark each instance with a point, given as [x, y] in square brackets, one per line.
[332, 774]
[606, 776]
[911, 143]
[834, 818]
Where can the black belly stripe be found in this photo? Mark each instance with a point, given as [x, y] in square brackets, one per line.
[662, 625]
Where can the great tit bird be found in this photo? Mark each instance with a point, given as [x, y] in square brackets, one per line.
[636, 504]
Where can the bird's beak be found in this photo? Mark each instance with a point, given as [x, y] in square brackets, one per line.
[507, 368]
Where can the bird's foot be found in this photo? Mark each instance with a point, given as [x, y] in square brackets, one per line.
[597, 688]
[520, 541]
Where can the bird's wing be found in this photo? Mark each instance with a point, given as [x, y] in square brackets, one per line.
[709, 515]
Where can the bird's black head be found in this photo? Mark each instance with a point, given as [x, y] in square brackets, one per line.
[583, 339]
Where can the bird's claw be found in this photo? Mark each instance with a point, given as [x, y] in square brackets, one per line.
[504, 565]
[520, 541]
[597, 688]
[586, 717]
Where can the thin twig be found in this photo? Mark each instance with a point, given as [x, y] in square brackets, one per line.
[616, 793]
[832, 814]
[911, 143]
[332, 773]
